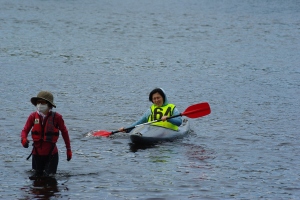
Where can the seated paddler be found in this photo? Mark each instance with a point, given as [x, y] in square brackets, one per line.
[160, 109]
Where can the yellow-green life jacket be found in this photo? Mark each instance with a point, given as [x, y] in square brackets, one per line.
[158, 112]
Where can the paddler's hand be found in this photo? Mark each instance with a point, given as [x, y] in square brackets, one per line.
[164, 118]
[122, 129]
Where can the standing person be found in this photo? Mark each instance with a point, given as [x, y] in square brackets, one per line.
[160, 109]
[45, 126]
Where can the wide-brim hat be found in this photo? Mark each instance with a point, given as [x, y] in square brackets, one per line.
[45, 95]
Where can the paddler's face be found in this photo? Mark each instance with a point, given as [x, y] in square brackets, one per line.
[157, 99]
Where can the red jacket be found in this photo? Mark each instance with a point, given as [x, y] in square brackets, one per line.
[44, 147]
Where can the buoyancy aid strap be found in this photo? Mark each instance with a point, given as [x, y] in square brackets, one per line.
[31, 152]
[53, 115]
[51, 129]
[51, 150]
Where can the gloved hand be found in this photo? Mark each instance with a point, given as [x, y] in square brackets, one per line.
[69, 154]
[25, 142]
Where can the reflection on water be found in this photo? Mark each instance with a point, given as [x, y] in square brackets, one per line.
[44, 188]
[197, 152]
[135, 147]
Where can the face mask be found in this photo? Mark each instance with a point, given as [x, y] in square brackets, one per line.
[42, 108]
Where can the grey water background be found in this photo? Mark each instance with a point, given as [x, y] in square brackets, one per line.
[101, 59]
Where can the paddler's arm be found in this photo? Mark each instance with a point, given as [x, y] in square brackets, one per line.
[176, 120]
[143, 119]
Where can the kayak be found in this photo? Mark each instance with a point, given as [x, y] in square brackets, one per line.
[140, 133]
[150, 134]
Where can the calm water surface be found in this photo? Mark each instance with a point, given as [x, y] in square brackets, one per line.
[101, 59]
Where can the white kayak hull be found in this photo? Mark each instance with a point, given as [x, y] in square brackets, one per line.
[151, 134]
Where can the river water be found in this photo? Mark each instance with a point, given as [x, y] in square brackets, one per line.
[101, 59]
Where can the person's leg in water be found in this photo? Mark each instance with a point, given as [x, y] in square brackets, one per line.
[38, 164]
[51, 164]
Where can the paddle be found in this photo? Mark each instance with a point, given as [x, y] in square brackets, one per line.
[193, 111]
